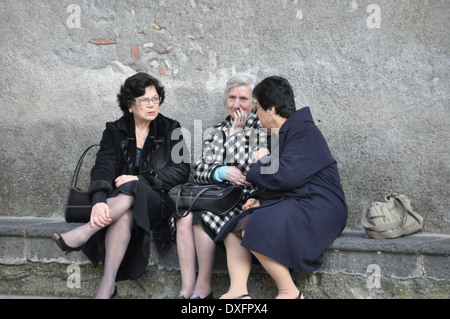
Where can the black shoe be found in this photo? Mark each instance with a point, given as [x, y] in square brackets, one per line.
[180, 296]
[195, 296]
[114, 293]
[62, 244]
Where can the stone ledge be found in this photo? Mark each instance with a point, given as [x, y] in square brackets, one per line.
[349, 240]
[417, 264]
[419, 243]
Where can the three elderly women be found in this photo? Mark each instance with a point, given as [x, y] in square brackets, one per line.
[293, 205]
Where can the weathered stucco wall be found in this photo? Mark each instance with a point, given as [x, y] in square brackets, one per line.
[375, 73]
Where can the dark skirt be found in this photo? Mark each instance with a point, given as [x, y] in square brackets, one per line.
[146, 213]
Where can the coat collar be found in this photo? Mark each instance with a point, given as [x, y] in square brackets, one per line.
[153, 142]
[302, 115]
[299, 116]
[127, 125]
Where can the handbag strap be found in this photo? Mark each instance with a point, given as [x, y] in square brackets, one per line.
[408, 208]
[193, 201]
[74, 181]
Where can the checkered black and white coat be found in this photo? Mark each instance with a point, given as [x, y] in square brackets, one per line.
[222, 149]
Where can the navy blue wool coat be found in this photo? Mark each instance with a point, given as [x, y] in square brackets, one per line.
[302, 202]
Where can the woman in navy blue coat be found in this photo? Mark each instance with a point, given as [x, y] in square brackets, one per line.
[299, 207]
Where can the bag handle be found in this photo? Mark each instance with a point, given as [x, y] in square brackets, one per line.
[193, 201]
[408, 208]
[74, 181]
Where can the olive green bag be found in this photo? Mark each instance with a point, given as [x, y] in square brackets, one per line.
[391, 219]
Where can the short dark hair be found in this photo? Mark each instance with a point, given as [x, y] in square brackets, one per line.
[134, 87]
[275, 91]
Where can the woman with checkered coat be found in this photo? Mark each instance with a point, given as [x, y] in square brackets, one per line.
[228, 149]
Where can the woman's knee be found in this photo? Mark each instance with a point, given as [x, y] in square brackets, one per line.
[232, 238]
[184, 224]
[126, 219]
[121, 202]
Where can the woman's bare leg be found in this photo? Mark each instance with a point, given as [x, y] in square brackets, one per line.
[186, 254]
[205, 248]
[281, 275]
[239, 262]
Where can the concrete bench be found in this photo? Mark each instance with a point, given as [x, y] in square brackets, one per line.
[414, 266]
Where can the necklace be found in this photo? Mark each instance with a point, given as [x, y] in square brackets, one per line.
[142, 137]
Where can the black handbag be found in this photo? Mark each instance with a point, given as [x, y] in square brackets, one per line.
[217, 198]
[78, 206]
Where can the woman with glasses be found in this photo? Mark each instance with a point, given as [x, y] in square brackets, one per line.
[129, 183]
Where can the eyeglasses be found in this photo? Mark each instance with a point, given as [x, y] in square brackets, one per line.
[146, 101]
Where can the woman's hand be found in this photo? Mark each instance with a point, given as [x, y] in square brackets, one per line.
[100, 215]
[240, 117]
[260, 154]
[122, 179]
[235, 176]
[251, 202]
